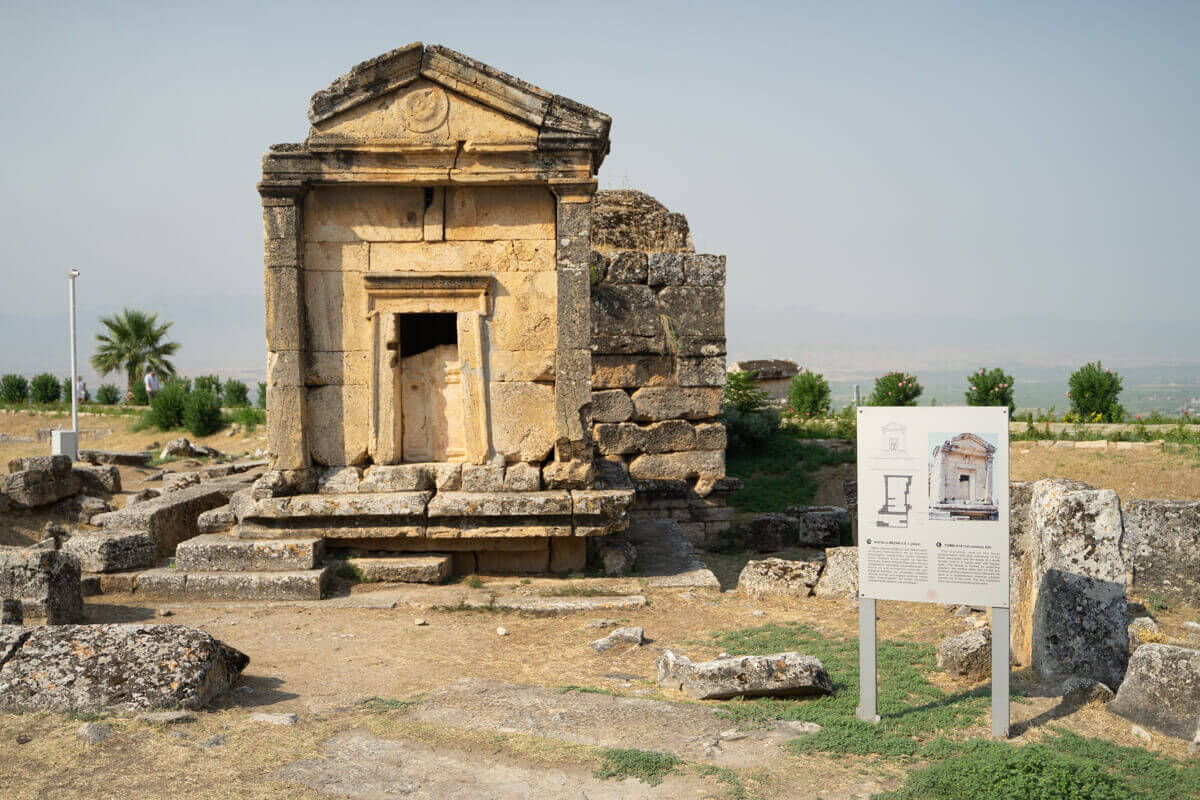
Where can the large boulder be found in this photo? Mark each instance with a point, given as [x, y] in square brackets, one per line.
[767, 533]
[776, 675]
[46, 581]
[967, 655]
[1162, 548]
[1161, 690]
[820, 526]
[117, 667]
[777, 577]
[840, 576]
[39, 480]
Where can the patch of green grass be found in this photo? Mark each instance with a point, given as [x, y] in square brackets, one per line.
[473, 581]
[648, 766]
[737, 790]
[387, 703]
[585, 690]
[349, 572]
[779, 474]
[95, 715]
[1156, 603]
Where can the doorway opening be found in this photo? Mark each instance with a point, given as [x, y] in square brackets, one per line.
[430, 388]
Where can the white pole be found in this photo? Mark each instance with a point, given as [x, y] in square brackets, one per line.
[71, 276]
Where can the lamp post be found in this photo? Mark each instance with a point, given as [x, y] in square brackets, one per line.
[71, 276]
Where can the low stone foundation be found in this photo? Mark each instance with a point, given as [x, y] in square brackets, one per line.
[704, 520]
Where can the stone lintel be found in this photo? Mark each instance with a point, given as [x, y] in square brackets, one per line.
[500, 504]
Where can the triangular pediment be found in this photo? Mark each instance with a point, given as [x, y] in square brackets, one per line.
[971, 442]
[433, 94]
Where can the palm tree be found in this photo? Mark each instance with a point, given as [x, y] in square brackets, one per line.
[134, 342]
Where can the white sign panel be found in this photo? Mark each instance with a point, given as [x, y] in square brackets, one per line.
[933, 504]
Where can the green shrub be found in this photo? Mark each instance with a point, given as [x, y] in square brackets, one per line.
[14, 389]
[895, 389]
[1093, 393]
[261, 401]
[648, 766]
[201, 413]
[137, 393]
[108, 395]
[166, 410]
[250, 418]
[808, 395]
[235, 393]
[44, 388]
[746, 430]
[993, 387]
[742, 394]
[208, 383]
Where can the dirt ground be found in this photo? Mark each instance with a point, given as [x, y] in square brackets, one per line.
[1159, 473]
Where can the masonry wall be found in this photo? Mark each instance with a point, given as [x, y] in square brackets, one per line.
[658, 362]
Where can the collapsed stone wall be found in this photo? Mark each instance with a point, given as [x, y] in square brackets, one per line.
[658, 362]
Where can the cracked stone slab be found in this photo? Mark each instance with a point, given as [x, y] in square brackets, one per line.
[667, 558]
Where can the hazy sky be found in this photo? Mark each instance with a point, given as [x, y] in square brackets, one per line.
[958, 160]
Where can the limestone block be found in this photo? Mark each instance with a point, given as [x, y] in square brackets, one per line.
[612, 473]
[616, 555]
[522, 365]
[336, 256]
[573, 234]
[653, 232]
[287, 419]
[631, 372]
[1161, 690]
[840, 576]
[345, 480]
[375, 504]
[279, 253]
[633, 636]
[779, 578]
[666, 269]
[32, 488]
[820, 526]
[652, 404]
[574, 319]
[624, 311]
[524, 311]
[338, 426]
[408, 568]
[522, 477]
[218, 520]
[776, 675]
[704, 270]
[500, 504]
[967, 655]
[670, 436]
[180, 585]
[618, 439]
[1162, 548]
[625, 267]
[52, 466]
[45, 581]
[397, 478]
[279, 222]
[705, 465]
[463, 256]
[568, 554]
[499, 212]
[337, 368]
[710, 436]
[611, 405]
[335, 307]
[218, 553]
[522, 419]
[572, 404]
[767, 533]
[577, 474]
[283, 309]
[702, 371]
[285, 368]
[514, 562]
[447, 477]
[112, 550]
[601, 502]
[696, 311]
[364, 214]
[171, 518]
[482, 478]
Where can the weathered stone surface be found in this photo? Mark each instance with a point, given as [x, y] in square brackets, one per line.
[666, 269]
[623, 267]
[112, 550]
[617, 556]
[669, 436]
[217, 520]
[620, 438]
[770, 532]
[776, 577]
[215, 552]
[408, 568]
[514, 562]
[341, 437]
[710, 436]
[840, 576]
[1076, 609]
[631, 372]
[577, 474]
[174, 481]
[651, 403]
[632, 636]
[704, 371]
[820, 526]
[625, 311]
[1161, 690]
[397, 478]
[522, 477]
[704, 465]
[482, 478]
[601, 502]
[98, 478]
[966, 655]
[181, 447]
[776, 675]
[568, 553]
[82, 508]
[178, 584]
[1162, 548]
[52, 466]
[696, 312]
[119, 667]
[45, 581]
[705, 270]
[1143, 630]
[500, 504]
[171, 518]
[522, 416]
[116, 457]
[612, 474]
[32, 488]
[11, 613]
[346, 480]
[375, 504]
[611, 405]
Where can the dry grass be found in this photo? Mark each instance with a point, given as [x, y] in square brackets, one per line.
[1134, 474]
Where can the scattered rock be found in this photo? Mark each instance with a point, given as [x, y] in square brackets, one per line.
[796, 728]
[274, 719]
[1195, 626]
[967, 654]
[419, 622]
[174, 481]
[1080, 692]
[758, 613]
[840, 576]
[1140, 733]
[180, 447]
[98, 478]
[93, 732]
[775, 577]
[1161, 690]
[631, 636]
[600, 623]
[820, 526]
[1143, 630]
[777, 675]
[767, 533]
[142, 496]
[165, 612]
[617, 556]
[44, 580]
[501, 632]
[215, 741]
[166, 717]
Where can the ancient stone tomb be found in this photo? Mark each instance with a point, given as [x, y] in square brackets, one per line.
[431, 298]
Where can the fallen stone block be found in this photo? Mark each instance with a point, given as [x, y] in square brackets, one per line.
[1143, 630]
[840, 576]
[111, 550]
[967, 655]
[171, 518]
[217, 520]
[422, 568]
[177, 584]
[32, 488]
[98, 478]
[52, 466]
[46, 581]
[776, 577]
[820, 526]
[616, 555]
[214, 552]
[82, 509]
[767, 533]
[1162, 548]
[117, 667]
[180, 447]
[776, 675]
[174, 481]
[633, 636]
[116, 457]
[1161, 690]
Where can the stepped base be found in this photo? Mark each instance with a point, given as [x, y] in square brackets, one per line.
[179, 584]
[426, 568]
[219, 553]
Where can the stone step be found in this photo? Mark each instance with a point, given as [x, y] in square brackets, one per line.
[177, 584]
[415, 568]
[215, 552]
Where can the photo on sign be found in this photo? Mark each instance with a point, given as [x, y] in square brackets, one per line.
[962, 483]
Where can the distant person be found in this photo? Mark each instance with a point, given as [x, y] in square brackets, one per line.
[151, 383]
[80, 389]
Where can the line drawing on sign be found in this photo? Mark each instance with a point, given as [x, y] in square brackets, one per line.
[897, 490]
[894, 441]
